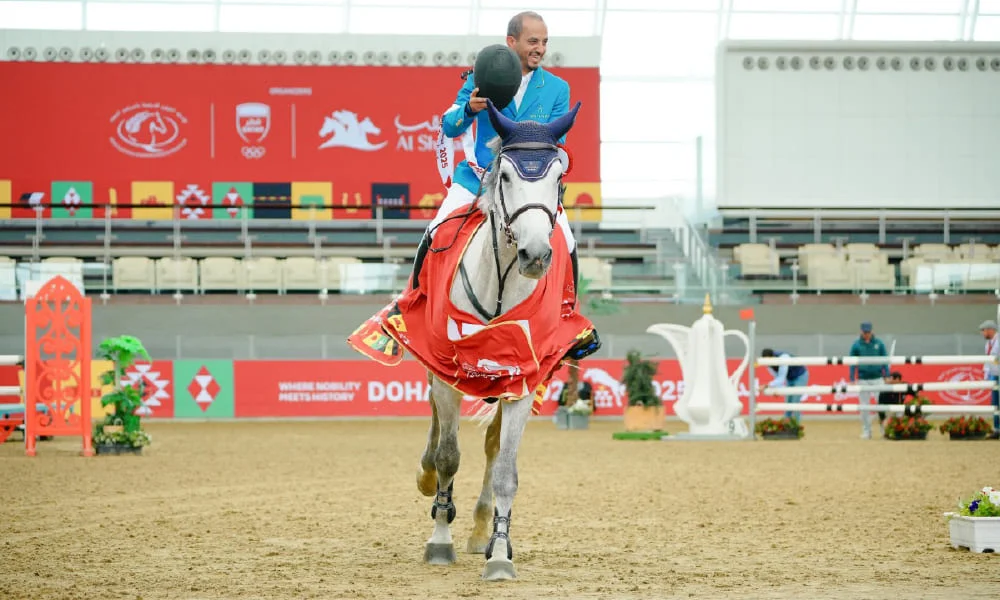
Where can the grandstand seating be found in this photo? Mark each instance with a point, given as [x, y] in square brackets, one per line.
[864, 266]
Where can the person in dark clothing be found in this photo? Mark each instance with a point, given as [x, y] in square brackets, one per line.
[892, 397]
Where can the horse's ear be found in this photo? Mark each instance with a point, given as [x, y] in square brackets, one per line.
[560, 126]
[500, 123]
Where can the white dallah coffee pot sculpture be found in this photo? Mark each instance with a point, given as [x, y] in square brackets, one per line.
[710, 403]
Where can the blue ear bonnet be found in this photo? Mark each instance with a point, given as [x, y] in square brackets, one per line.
[531, 148]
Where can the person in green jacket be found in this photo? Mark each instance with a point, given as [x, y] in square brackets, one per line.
[868, 345]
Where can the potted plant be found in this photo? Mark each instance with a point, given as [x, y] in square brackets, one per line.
[120, 431]
[911, 425]
[579, 414]
[645, 409]
[976, 525]
[785, 428]
[966, 428]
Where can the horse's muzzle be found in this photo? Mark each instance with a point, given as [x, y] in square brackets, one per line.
[534, 263]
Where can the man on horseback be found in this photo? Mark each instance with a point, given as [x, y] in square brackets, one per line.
[512, 78]
[537, 95]
[522, 90]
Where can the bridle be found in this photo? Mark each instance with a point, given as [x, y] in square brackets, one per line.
[508, 219]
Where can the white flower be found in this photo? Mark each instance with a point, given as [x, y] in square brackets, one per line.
[995, 498]
[987, 490]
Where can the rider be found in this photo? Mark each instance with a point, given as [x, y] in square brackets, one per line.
[521, 89]
[540, 96]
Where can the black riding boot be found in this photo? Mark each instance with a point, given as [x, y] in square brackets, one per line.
[591, 343]
[418, 260]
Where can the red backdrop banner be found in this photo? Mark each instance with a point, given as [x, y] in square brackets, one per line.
[208, 137]
[348, 388]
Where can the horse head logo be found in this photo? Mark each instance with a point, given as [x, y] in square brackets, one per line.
[607, 390]
[148, 130]
[346, 131]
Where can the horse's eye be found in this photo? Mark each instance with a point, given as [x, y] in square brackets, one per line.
[504, 178]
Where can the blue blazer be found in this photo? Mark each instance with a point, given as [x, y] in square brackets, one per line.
[545, 99]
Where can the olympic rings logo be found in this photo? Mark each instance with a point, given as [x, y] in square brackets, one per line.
[253, 152]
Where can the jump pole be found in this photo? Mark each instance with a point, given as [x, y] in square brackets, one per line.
[748, 314]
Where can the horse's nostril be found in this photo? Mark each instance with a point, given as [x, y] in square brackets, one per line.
[522, 255]
[547, 256]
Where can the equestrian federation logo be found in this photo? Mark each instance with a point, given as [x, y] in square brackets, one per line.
[961, 375]
[253, 121]
[342, 129]
[148, 130]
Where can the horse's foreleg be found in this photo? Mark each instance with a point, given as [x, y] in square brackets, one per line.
[427, 475]
[439, 548]
[499, 551]
[483, 513]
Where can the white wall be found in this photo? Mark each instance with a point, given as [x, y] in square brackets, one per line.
[903, 132]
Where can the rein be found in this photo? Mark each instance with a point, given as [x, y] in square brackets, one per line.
[508, 220]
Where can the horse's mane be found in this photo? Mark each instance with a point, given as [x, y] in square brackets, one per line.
[490, 178]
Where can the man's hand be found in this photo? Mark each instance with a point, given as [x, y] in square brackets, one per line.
[476, 103]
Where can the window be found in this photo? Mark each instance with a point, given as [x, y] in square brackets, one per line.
[147, 16]
[798, 6]
[408, 20]
[684, 44]
[280, 19]
[762, 26]
[41, 15]
[291, 3]
[987, 29]
[649, 162]
[658, 188]
[539, 6]
[560, 23]
[911, 6]
[647, 112]
[905, 27]
[667, 5]
[424, 4]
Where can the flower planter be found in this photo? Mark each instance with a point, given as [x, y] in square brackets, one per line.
[913, 436]
[966, 436]
[781, 435]
[578, 421]
[561, 417]
[117, 449]
[978, 534]
[644, 418]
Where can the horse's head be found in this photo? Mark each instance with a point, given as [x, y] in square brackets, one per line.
[367, 126]
[523, 185]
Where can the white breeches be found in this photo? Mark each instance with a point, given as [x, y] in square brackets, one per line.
[458, 196]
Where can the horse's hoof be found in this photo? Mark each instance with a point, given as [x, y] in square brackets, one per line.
[476, 546]
[499, 569]
[439, 554]
[427, 482]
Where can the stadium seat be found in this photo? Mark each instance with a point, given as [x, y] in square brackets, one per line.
[757, 259]
[263, 274]
[133, 273]
[220, 273]
[178, 274]
[597, 271]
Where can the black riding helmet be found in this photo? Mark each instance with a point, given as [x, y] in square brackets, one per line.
[497, 74]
